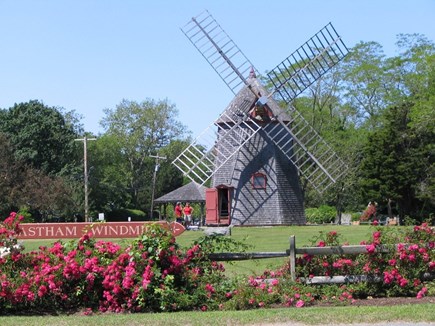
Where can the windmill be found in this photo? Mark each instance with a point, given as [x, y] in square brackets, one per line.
[256, 150]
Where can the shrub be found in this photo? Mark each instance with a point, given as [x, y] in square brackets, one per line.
[395, 273]
[123, 215]
[321, 215]
[27, 216]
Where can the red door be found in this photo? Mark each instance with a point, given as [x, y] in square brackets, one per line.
[211, 206]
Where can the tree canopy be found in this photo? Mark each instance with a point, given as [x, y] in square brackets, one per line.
[40, 134]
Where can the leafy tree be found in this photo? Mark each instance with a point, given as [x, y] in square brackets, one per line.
[414, 72]
[142, 129]
[22, 186]
[108, 175]
[8, 174]
[397, 162]
[41, 136]
[365, 83]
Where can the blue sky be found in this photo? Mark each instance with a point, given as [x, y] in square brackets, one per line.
[87, 55]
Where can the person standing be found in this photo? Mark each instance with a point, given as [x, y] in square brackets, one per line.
[188, 211]
[178, 212]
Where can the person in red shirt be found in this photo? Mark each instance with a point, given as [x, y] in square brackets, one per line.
[178, 212]
[188, 211]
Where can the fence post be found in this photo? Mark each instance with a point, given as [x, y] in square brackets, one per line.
[293, 258]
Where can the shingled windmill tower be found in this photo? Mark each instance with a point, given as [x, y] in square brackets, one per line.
[258, 148]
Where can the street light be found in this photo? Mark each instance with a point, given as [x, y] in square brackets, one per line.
[85, 163]
[156, 168]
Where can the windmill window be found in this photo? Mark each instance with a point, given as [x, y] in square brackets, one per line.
[259, 181]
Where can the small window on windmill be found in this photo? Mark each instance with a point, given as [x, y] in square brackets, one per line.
[260, 110]
[259, 181]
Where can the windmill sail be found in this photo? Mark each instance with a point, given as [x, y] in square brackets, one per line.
[219, 50]
[307, 64]
[316, 161]
[202, 158]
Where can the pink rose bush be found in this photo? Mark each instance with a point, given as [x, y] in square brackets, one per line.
[397, 263]
[153, 274]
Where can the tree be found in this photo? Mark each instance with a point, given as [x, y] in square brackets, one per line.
[41, 136]
[108, 175]
[24, 186]
[397, 161]
[365, 83]
[8, 174]
[142, 129]
[414, 72]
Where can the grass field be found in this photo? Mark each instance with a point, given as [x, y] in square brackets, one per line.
[412, 314]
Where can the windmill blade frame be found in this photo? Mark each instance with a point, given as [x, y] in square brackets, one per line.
[316, 161]
[219, 50]
[307, 64]
[202, 158]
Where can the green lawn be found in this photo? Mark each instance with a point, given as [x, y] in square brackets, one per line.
[269, 239]
[348, 315]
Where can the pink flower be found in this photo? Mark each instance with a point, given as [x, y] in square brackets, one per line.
[367, 268]
[413, 247]
[371, 248]
[209, 288]
[403, 282]
[42, 290]
[421, 293]
[300, 303]
[388, 278]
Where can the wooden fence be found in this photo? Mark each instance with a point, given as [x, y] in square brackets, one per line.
[335, 250]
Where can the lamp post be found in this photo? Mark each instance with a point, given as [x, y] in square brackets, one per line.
[156, 168]
[85, 164]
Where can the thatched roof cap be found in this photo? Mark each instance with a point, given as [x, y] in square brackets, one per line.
[192, 192]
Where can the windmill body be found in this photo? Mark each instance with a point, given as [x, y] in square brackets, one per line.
[255, 152]
[263, 185]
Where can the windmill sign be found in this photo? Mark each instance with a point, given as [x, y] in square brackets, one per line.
[255, 152]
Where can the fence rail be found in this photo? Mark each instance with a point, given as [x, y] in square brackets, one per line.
[331, 250]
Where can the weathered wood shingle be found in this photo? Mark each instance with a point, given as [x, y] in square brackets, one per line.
[281, 203]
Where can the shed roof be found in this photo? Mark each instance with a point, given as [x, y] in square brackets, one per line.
[192, 192]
